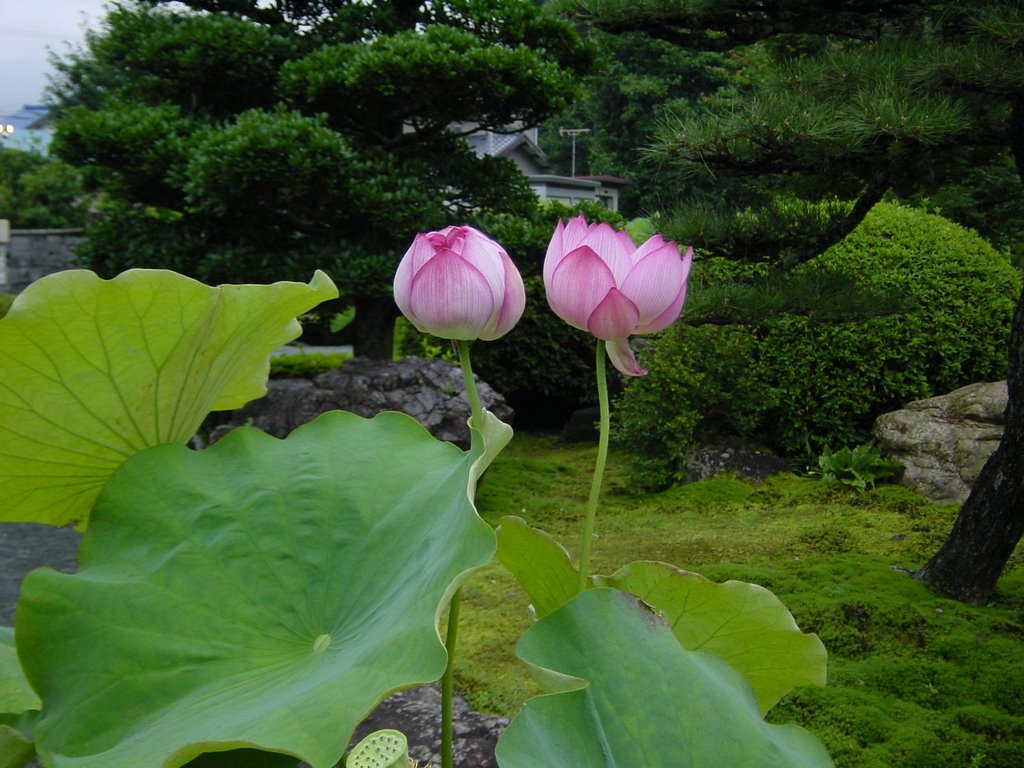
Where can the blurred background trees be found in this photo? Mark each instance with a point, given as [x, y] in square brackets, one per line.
[232, 140]
[40, 192]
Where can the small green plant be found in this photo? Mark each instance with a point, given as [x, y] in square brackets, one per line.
[858, 467]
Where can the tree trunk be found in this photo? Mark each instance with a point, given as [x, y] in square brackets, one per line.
[374, 327]
[991, 521]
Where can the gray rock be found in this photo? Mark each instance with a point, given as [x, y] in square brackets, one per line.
[417, 714]
[943, 442]
[732, 454]
[582, 426]
[25, 547]
[431, 391]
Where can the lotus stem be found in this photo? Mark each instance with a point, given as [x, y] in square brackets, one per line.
[602, 458]
[451, 637]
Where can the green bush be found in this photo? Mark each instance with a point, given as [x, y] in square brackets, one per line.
[303, 365]
[700, 382]
[544, 367]
[804, 382]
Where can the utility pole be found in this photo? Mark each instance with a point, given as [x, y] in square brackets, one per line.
[574, 132]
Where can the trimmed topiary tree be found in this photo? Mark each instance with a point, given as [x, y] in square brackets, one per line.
[800, 383]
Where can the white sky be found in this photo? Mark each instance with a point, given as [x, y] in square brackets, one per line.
[28, 29]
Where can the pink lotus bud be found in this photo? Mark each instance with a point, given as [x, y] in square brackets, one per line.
[459, 284]
[597, 280]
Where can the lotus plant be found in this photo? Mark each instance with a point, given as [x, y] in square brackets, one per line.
[597, 280]
[459, 284]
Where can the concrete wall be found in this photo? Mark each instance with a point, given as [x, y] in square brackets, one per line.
[28, 254]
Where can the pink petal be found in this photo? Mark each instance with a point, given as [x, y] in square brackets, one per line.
[450, 298]
[486, 255]
[670, 315]
[555, 253]
[578, 285]
[419, 253]
[653, 243]
[610, 247]
[622, 357]
[655, 280]
[575, 231]
[513, 302]
[614, 318]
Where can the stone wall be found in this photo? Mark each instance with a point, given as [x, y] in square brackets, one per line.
[28, 254]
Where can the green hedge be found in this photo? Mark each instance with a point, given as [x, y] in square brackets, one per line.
[799, 384]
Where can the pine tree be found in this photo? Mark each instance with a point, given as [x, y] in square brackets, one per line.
[241, 140]
[848, 102]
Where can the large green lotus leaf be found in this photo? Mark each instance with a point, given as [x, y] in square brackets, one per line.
[92, 371]
[624, 692]
[16, 695]
[16, 751]
[261, 594]
[745, 624]
[539, 563]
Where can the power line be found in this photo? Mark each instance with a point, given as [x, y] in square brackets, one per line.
[9, 31]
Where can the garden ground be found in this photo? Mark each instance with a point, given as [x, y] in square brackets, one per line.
[915, 680]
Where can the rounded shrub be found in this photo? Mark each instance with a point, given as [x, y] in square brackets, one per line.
[804, 381]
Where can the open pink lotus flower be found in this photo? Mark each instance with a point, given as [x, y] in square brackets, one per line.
[597, 280]
[459, 284]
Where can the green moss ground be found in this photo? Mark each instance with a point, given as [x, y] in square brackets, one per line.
[915, 680]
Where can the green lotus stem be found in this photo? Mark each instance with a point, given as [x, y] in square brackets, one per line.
[475, 409]
[602, 458]
[451, 638]
[448, 680]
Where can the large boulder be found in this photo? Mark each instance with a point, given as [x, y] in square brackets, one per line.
[432, 391]
[943, 442]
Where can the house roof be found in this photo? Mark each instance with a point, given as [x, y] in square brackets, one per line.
[486, 143]
[30, 116]
[607, 181]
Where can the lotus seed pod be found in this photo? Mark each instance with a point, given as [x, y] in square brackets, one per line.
[381, 749]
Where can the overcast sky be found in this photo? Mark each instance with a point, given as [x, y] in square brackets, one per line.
[28, 29]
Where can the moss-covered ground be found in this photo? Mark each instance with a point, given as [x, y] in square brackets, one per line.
[915, 680]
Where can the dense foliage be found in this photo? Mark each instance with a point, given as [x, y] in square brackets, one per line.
[40, 192]
[801, 383]
[640, 82]
[237, 142]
